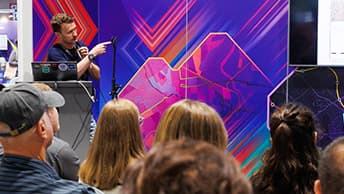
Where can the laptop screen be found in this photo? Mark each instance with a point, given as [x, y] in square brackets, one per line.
[54, 70]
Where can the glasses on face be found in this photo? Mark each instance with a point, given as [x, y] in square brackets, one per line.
[141, 119]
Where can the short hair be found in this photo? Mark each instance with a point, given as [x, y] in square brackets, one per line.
[331, 168]
[59, 19]
[193, 119]
[42, 86]
[185, 166]
[116, 142]
[290, 165]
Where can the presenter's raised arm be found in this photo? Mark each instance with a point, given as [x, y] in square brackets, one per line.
[87, 62]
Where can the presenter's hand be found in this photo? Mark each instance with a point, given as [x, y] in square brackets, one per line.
[100, 48]
[83, 51]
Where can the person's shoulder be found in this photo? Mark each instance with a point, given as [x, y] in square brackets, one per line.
[57, 144]
[56, 53]
[56, 49]
[68, 186]
[60, 141]
[61, 148]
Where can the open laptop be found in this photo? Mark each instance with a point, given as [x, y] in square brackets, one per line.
[54, 70]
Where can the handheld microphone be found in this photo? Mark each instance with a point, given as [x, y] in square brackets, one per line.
[77, 47]
[77, 44]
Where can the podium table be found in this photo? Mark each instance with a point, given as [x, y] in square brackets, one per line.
[75, 115]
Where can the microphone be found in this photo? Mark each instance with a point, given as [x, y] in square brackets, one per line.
[115, 87]
[77, 47]
[77, 44]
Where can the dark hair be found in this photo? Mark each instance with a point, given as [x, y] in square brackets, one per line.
[331, 168]
[185, 166]
[59, 19]
[290, 165]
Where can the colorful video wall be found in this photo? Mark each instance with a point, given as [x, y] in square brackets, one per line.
[229, 54]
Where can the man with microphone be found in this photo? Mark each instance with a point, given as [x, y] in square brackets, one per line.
[69, 49]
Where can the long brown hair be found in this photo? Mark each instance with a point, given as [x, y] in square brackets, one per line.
[117, 141]
[193, 119]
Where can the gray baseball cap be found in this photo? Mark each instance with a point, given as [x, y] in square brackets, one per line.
[22, 106]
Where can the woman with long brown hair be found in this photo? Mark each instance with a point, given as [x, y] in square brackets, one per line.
[117, 142]
[192, 119]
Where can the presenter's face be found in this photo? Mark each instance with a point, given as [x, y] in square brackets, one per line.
[68, 34]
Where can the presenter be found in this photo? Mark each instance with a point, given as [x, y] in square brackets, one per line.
[69, 49]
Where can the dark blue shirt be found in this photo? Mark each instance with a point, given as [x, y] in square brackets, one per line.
[28, 175]
[58, 53]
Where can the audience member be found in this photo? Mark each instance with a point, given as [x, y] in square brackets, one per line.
[331, 169]
[59, 154]
[194, 119]
[185, 166]
[290, 165]
[25, 133]
[116, 143]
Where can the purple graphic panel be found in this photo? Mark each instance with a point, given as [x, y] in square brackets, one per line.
[229, 54]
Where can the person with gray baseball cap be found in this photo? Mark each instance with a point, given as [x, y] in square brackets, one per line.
[60, 155]
[25, 133]
[21, 106]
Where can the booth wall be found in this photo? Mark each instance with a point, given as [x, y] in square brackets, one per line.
[229, 54]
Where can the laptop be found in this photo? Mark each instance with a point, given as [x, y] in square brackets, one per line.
[54, 70]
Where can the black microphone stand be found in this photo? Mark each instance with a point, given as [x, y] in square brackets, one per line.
[115, 87]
